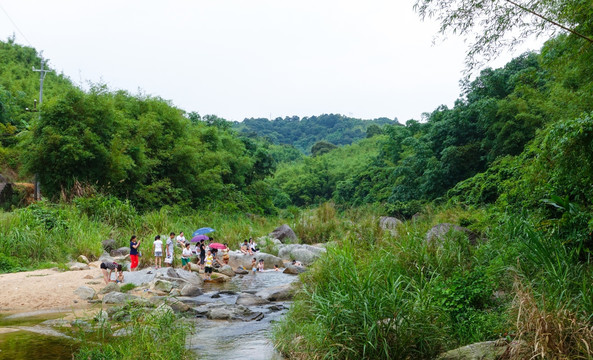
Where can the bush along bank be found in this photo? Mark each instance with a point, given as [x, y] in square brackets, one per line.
[416, 296]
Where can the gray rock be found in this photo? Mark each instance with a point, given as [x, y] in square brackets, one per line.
[241, 271]
[438, 233]
[190, 276]
[82, 259]
[239, 260]
[175, 292]
[160, 311]
[162, 285]
[277, 293]
[227, 270]
[283, 233]
[294, 269]
[105, 257]
[109, 288]
[109, 245]
[222, 311]
[488, 350]
[127, 331]
[117, 298]
[86, 293]
[246, 299]
[390, 224]
[122, 251]
[306, 254]
[75, 266]
[191, 290]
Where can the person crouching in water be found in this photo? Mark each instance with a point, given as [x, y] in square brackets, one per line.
[208, 265]
[185, 257]
[112, 266]
[260, 265]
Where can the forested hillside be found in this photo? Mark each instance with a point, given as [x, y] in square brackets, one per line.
[134, 147]
[304, 133]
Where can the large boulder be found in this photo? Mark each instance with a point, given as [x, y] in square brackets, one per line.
[86, 293]
[178, 276]
[162, 285]
[488, 350]
[111, 287]
[191, 290]
[122, 251]
[277, 293]
[75, 266]
[105, 257]
[438, 233]
[294, 269]
[283, 233]
[247, 299]
[390, 224]
[227, 270]
[239, 260]
[117, 298]
[222, 311]
[109, 245]
[306, 254]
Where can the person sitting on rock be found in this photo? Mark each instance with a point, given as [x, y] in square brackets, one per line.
[253, 245]
[245, 249]
[112, 266]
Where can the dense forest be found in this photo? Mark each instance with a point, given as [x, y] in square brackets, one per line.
[511, 161]
[308, 131]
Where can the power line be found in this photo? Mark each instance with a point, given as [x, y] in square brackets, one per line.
[15, 26]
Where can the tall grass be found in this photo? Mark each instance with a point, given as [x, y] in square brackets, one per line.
[159, 336]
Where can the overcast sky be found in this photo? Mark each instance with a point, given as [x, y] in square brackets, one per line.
[251, 58]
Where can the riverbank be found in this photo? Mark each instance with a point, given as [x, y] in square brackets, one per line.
[47, 289]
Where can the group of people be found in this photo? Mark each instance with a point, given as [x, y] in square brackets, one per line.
[206, 256]
[249, 247]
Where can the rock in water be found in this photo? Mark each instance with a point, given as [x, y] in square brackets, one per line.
[246, 299]
[283, 233]
[277, 293]
[294, 270]
[86, 293]
[191, 290]
[227, 270]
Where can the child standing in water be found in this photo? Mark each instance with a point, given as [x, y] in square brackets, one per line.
[208, 267]
[254, 265]
[260, 266]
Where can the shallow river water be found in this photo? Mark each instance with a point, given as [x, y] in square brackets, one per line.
[212, 339]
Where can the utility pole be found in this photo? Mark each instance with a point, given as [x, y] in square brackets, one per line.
[42, 71]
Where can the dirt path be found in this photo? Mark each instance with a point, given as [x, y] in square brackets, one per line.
[46, 289]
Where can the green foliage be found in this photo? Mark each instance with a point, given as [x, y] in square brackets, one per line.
[159, 336]
[322, 147]
[304, 133]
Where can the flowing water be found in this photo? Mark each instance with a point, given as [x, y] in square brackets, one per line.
[212, 339]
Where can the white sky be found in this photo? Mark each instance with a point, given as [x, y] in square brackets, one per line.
[256, 58]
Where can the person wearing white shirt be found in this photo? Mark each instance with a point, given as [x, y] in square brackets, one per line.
[181, 239]
[157, 246]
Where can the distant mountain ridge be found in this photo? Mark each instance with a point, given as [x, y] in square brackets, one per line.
[303, 133]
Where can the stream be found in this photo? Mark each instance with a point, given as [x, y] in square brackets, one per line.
[212, 339]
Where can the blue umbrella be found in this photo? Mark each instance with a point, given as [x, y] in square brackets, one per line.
[203, 231]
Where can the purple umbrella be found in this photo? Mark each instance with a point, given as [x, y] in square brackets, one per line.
[198, 238]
